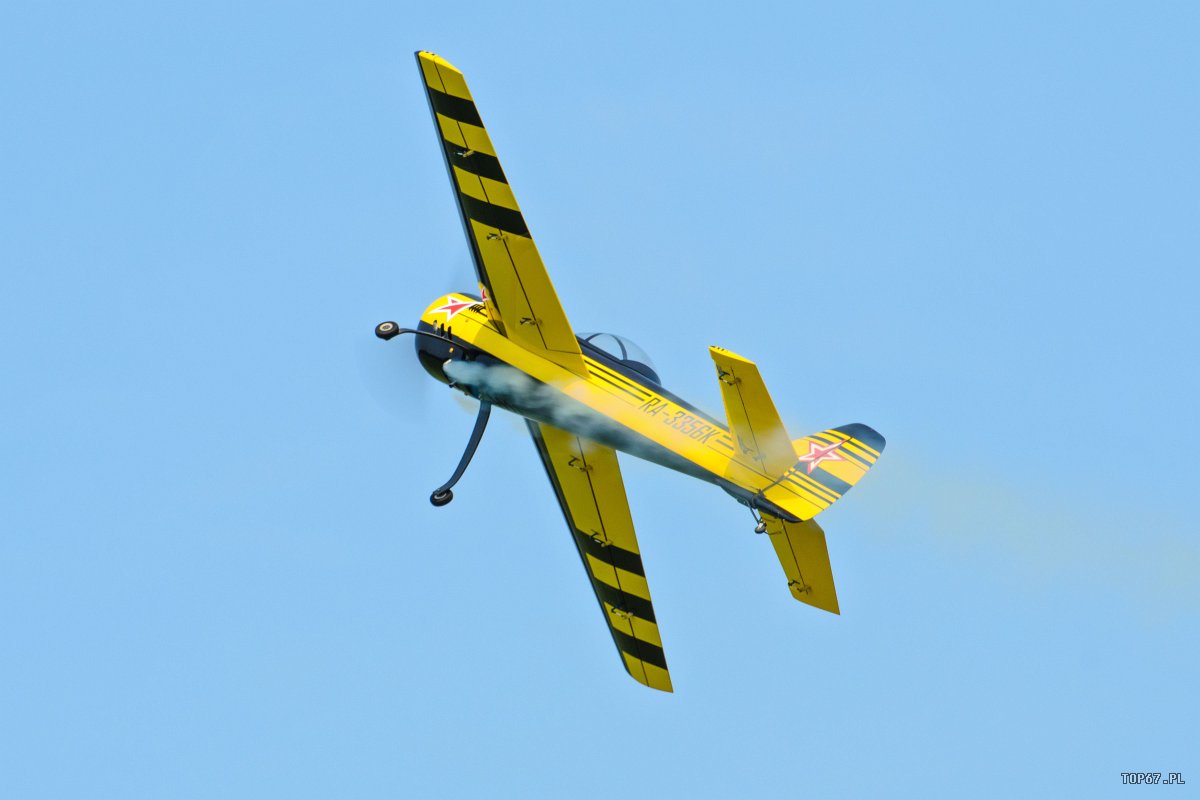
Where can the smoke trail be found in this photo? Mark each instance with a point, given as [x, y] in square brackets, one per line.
[505, 386]
[1144, 557]
[1043, 539]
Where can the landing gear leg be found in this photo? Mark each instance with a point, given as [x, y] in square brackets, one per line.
[442, 495]
[760, 527]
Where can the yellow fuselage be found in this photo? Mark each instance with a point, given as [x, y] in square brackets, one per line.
[611, 406]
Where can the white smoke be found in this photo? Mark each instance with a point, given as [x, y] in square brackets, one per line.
[505, 386]
[1043, 537]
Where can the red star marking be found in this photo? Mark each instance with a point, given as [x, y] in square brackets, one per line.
[816, 454]
[453, 306]
[483, 292]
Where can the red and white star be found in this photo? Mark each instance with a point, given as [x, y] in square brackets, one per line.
[818, 453]
[453, 306]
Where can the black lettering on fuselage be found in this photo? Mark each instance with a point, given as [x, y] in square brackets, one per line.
[687, 424]
[653, 406]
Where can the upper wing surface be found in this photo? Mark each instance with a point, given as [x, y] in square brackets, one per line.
[587, 481]
[517, 290]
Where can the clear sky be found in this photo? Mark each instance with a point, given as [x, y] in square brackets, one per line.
[972, 226]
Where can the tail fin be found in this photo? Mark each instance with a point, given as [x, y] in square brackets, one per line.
[827, 465]
[830, 462]
[813, 472]
[763, 443]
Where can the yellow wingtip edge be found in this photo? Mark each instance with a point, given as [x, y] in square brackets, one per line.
[425, 55]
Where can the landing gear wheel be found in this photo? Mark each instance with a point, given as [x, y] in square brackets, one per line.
[440, 499]
[386, 330]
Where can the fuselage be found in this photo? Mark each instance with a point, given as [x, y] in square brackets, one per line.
[614, 405]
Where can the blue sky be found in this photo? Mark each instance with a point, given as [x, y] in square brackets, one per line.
[972, 226]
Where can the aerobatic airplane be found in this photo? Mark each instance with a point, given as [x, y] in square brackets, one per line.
[585, 396]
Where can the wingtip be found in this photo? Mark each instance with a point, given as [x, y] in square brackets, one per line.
[426, 55]
[720, 352]
[649, 675]
[662, 684]
[829, 604]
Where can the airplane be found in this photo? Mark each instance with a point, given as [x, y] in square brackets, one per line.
[586, 396]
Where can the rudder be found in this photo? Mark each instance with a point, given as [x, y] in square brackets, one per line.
[828, 464]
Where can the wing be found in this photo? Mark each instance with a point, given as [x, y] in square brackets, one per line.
[801, 549]
[520, 298]
[587, 481]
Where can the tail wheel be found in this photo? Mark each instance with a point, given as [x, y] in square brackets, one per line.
[441, 498]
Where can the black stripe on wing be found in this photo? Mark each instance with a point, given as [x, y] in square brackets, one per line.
[586, 544]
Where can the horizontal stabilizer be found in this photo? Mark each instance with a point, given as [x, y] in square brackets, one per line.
[762, 441]
[801, 549]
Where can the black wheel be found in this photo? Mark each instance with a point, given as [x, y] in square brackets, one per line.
[386, 330]
[440, 499]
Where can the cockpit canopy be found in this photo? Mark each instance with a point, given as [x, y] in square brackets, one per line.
[621, 350]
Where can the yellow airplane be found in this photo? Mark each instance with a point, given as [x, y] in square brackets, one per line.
[585, 396]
